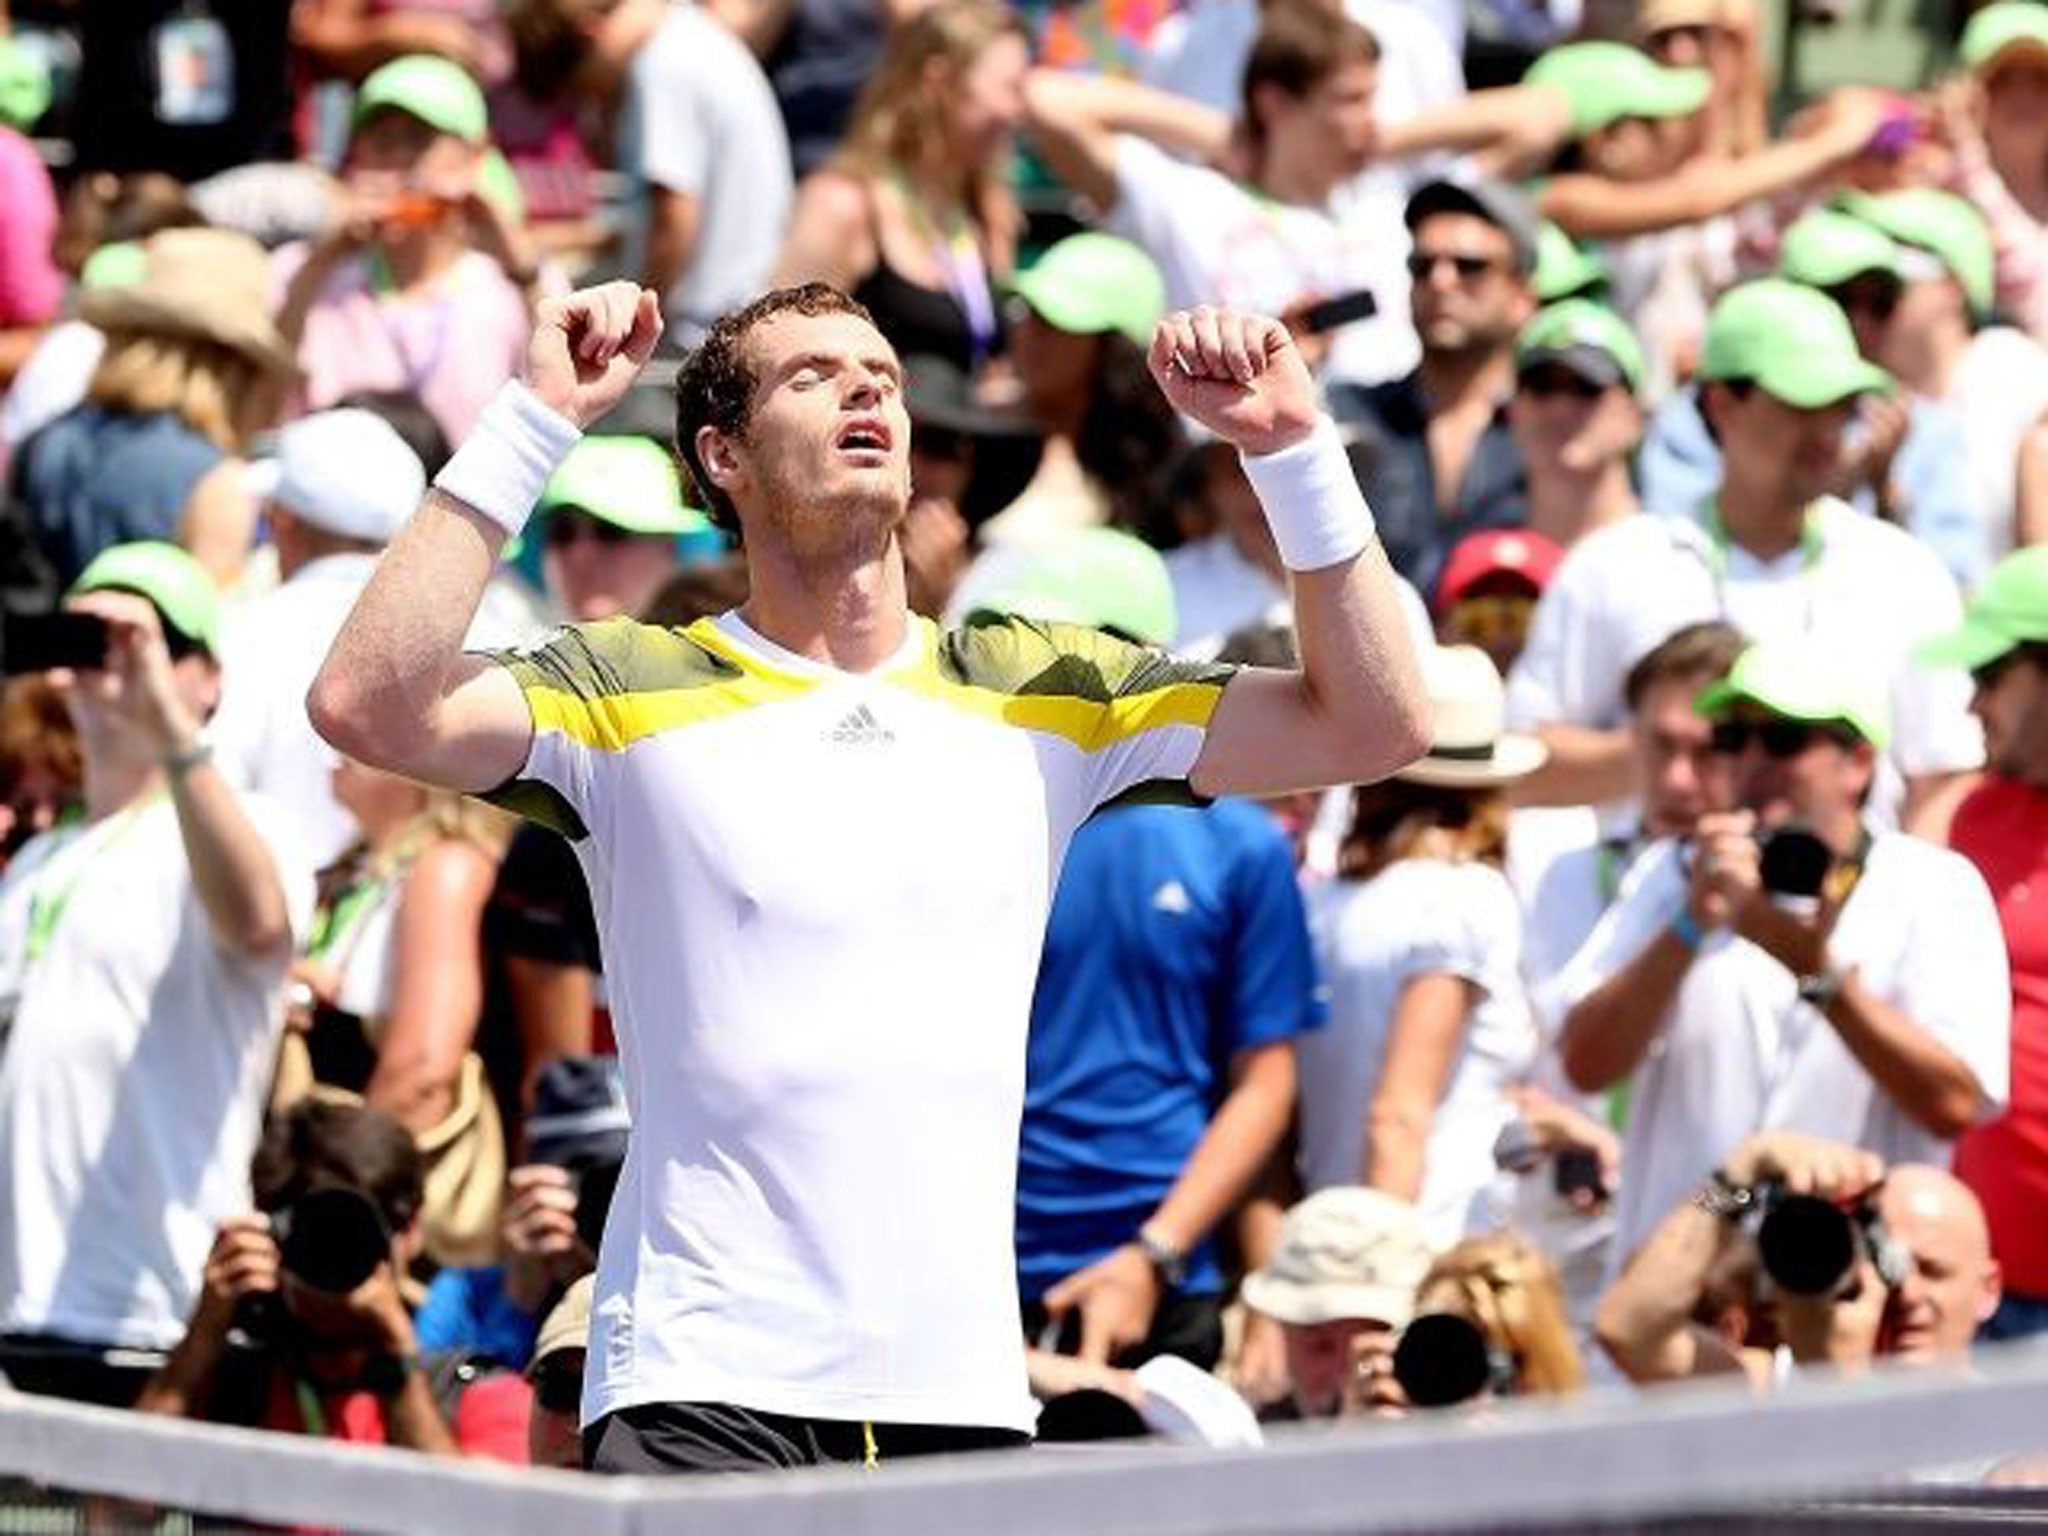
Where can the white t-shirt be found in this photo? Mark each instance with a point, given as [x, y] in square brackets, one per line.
[1216, 591]
[823, 898]
[2000, 389]
[271, 647]
[703, 120]
[133, 1082]
[52, 381]
[1739, 1053]
[1416, 918]
[1218, 243]
[1872, 594]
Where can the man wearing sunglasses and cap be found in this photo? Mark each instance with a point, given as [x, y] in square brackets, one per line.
[1788, 966]
[142, 966]
[2003, 829]
[1773, 552]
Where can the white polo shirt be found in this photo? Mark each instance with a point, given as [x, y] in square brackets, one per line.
[1862, 589]
[823, 898]
[1738, 1052]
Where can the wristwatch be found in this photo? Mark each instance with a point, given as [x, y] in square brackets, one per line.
[1167, 1261]
[385, 1375]
[1721, 1196]
[1823, 987]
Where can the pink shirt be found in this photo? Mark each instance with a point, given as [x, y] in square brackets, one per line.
[31, 287]
[451, 344]
[2021, 241]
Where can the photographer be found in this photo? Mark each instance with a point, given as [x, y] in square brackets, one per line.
[301, 1325]
[1786, 967]
[1902, 1271]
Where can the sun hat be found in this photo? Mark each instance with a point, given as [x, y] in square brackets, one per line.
[1825, 247]
[349, 472]
[1801, 682]
[1606, 82]
[175, 584]
[1345, 1253]
[579, 1114]
[1470, 744]
[1589, 339]
[1792, 341]
[2008, 609]
[437, 91]
[567, 1325]
[1181, 1402]
[206, 284]
[1092, 283]
[1100, 577]
[1565, 269]
[629, 482]
[1495, 552]
[2002, 26]
[1941, 223]
[1499, 204]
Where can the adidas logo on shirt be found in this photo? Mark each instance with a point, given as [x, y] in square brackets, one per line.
[1172, 897]
[860, 728]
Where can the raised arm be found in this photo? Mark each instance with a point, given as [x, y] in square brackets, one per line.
[397, 691]
[1355, 711]
[1075, 119]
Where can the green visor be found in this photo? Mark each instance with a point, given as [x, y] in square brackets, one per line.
[1792, 341]
[1607, 82]
[1098, 577]
[1089, 284]
[2009, 610]
[175, 584]
[1793, 681]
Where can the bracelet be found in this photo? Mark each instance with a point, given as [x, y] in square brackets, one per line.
[1312, 501]
[1686, 929]
[1721, 1196]
[178, 764]
[501, 468]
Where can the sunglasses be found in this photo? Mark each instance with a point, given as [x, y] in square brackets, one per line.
[1782, 740]
[567, 527]
[1490, 618]
[1422, 264]
[1549, 383]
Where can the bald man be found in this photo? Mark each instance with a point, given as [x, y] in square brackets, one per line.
[1652, 1320]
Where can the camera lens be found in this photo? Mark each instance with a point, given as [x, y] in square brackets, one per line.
[1807, 1245]
[334, 1240]
[1442, 1360]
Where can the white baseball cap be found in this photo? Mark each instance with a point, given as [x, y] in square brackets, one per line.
[348, 472]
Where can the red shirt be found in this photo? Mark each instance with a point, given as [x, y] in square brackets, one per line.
[2003, 829]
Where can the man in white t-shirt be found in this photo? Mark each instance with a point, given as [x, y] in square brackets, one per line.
[1788, 967]
[142, 966]
[698, 132]
[1773, 555]
[821, 838]
[1298, 229]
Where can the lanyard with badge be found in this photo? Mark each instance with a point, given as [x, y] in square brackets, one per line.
[1720, 549]
[960, 263]
[50, 897]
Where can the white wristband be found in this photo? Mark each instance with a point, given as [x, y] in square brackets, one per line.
[1313, 504]
[508, 457]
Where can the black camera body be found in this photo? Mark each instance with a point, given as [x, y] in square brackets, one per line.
[1795, 862]
[1811, 1247]
[331, 1239]
[1444, 1359]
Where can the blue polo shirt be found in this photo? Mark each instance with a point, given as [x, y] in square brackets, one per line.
[1177, 940]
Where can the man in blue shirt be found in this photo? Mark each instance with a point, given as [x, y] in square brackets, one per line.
[1177, 971]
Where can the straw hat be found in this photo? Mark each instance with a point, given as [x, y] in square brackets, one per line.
[1470, 746]
[209, 284]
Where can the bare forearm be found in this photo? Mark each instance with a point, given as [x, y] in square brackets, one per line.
[305, 286]
[1396, 1135]
[1917, 1072]
[2030, 512]
[232, 869]
[1516, 118]
[1585, 767]
[1645, 1319]
[413, 1421]
[1358, 662]
[181, 1386]
[1241, 1139]
[1606, 1034]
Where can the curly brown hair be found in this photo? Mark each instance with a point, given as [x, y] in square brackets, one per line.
[715, 385]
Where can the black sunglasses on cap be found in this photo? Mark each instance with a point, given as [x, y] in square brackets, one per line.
[1546, 381]
[1781, 739]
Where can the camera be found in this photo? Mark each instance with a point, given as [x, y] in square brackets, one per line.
[1810, 1246]
[1794, 861]
[331, 1239]
[1444, 1359]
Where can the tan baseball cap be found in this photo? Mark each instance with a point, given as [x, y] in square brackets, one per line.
[1346, 1252]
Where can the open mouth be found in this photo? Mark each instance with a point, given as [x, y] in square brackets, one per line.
[865, 436]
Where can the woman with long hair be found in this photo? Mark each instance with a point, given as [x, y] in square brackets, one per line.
[914, 215]
[1507, 1289]
[1404, 1090]
[392, 989]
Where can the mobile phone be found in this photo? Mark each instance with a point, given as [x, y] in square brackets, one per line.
[1578, 1168]
[1339, 309]
[37, 642]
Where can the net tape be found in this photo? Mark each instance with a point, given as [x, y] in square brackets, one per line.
[1685, 1451]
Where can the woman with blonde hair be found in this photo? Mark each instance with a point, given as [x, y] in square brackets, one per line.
[914, 215]
[193, 369]
[388, 999]
[1509, 1291]
[1421, 939]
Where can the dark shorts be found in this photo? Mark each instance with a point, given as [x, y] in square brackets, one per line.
[662, 1438]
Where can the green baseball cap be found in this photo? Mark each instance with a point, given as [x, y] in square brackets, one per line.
[1099, 577]
[1799, 682]
[629, 482]
[1091, 283]
[2006, 24]
[175, 584]
[1606, 82]
[2009, 609]
[24, 85]
[1564, 269]
[1590, 339]
[119, 265]
[1941, 223]
[1826, 247]
[436, 91]
[1794, 342]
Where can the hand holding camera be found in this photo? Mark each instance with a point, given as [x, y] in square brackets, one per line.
[244, 1262]
[1726, 868]
[544, 1248]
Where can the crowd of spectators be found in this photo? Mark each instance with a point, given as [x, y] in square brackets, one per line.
[1683, 1011]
